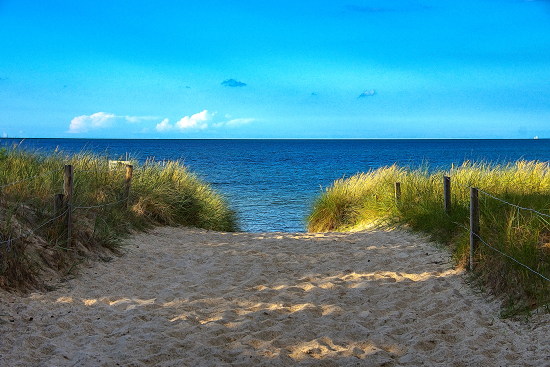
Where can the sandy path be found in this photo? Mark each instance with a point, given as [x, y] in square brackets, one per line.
[183, 297]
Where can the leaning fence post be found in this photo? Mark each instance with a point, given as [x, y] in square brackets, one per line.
[474, 223]
[68, 200]
[128, 182]
[397, 192]
[447, 193]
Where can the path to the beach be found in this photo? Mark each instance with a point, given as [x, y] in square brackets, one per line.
[184, 297]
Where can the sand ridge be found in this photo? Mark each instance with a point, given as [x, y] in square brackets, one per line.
[188, 297]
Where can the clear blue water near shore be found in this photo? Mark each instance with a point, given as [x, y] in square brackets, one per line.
[272, 183]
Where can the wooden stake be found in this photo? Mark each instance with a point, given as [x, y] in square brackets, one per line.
[128, 182]
[397, 192]
[447, 194]
[57, 210]
[58, 204]
[474, 224]
[68, 188]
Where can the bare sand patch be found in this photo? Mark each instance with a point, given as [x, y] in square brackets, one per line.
[186, 297]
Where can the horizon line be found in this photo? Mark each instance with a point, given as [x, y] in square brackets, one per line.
[83, 138]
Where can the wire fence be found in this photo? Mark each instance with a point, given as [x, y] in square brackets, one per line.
[63, 203]
[514, 205]
[510, 257]
[474, 229]
[503, 253]
[518, 207]
[34, 230]
[100, 205]
[65, 208]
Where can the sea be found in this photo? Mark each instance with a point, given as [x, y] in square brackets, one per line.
[272, 184]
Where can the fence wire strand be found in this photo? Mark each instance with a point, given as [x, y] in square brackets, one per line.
[510, 257]
[460, 184]
[32, 231]
[502, 200]
[100, 205]
[514, 205]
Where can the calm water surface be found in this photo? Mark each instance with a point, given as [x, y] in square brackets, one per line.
[272, 183]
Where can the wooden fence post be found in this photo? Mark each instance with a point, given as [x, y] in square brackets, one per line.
[57, 204]
[397, 192]
[447, 193]
[474, 223]
[57, 210]
[128, 182]
[68, 187]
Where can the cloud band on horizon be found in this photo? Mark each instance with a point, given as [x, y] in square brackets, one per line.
[200, 121]
[98, 120]
[195, 122]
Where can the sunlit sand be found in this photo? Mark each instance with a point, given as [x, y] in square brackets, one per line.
[185, 297]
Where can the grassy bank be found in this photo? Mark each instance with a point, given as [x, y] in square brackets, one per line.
[368, 198]
[33, 245]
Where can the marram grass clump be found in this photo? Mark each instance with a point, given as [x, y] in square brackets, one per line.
[33, 244]
[369, 198]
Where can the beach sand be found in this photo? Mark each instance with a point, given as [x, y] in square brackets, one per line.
[187, 297]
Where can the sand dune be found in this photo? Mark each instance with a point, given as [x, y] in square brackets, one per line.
[183, 297]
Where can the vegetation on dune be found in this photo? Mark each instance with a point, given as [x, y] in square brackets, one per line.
[367, 198]
[31, 243]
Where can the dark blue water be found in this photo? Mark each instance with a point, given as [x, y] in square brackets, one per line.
[272, 183]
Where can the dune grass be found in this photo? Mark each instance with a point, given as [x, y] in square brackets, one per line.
[161, 194]
[367, 198]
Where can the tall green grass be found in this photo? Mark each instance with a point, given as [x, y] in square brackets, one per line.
[161, 194]
[367, 198]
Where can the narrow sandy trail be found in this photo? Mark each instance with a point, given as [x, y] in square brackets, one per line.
[183, 297]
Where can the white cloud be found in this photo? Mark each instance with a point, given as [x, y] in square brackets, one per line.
[84, 123]
[234, 122]
[98, 120]
[136, 119]
[164, 125]
[196, 121]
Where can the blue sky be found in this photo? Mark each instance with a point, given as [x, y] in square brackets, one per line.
[275, 69]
